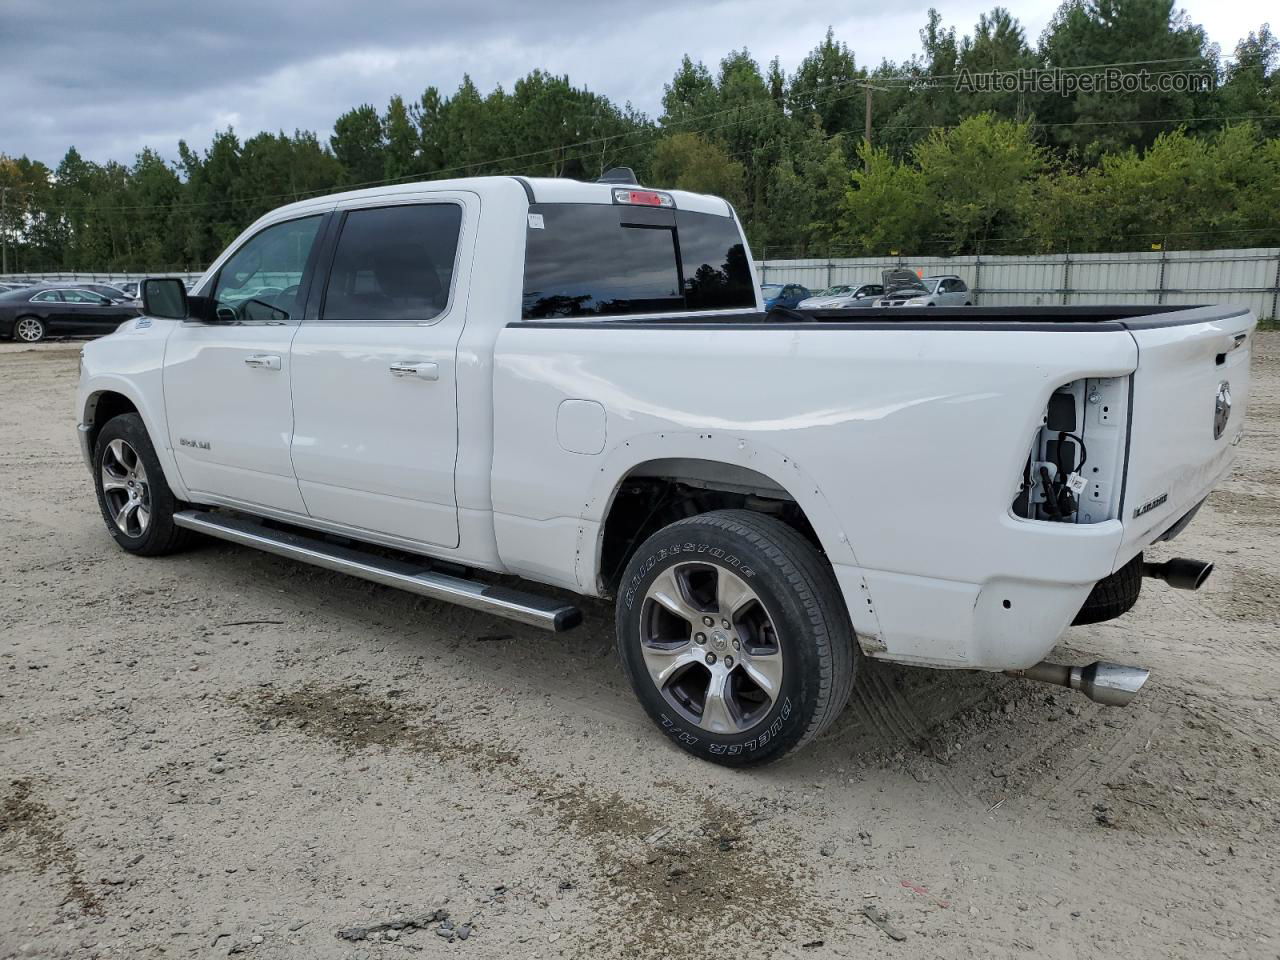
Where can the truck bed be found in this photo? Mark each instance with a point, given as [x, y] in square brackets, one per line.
[1113, 317]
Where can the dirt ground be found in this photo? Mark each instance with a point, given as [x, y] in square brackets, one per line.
[224, 752]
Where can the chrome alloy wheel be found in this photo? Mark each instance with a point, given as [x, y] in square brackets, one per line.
[125, 488]
[30, 330]
[710, 647]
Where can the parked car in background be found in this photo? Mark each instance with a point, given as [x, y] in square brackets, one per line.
[130, 288]
[840, 297]
[32, 314]
[905, 289]
[783, 295]
[6, 287]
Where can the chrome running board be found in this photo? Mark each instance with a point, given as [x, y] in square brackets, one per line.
[500, 601]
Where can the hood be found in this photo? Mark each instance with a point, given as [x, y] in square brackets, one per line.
[902, 283]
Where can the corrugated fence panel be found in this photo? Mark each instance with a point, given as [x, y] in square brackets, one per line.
[94, 276]
[1247, 277]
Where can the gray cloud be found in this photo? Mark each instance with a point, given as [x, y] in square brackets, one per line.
[111, 77]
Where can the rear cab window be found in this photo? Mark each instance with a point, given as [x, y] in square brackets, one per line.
[597, 259]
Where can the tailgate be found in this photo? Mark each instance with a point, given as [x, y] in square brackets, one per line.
[1189, 397]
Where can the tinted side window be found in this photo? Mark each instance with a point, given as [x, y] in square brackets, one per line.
[49, 296]
[263, 279]
[716, 272]
[394, 263]
[83, 296]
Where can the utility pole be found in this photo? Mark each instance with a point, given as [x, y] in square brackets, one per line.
[866, 133]
[866, 126]
[4, 231]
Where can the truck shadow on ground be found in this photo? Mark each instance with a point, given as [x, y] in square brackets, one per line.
[1171, 759]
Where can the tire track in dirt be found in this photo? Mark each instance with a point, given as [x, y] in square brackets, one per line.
[1091, 766]
[30, 828]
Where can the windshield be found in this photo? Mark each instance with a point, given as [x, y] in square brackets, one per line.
[931, 284]
[770, 289]
[900, 286]
[837, 291]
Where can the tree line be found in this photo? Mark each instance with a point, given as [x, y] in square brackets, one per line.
[951, 167]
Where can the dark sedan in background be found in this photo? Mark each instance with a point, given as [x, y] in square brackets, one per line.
[31, 314]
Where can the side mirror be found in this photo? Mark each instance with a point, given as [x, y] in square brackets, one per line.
[164, 297]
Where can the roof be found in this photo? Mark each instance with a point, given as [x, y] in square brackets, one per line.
[544, 190]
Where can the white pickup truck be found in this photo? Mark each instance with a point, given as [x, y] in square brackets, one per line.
[431, 384]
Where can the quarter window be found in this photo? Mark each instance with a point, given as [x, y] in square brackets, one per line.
[394, 263]
[48, 296]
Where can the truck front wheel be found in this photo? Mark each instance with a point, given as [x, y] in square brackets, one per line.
[734, 635]
[136, 501]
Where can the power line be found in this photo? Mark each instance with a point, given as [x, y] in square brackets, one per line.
[905, 83]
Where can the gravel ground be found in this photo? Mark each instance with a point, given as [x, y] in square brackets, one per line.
[223, 752]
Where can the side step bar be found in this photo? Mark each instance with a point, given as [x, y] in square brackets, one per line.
[420, 579]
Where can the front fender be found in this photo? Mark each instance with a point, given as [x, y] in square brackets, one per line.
[130, 363]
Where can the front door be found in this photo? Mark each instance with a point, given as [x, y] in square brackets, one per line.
[374, 371]
[84, 311]
[226, 380]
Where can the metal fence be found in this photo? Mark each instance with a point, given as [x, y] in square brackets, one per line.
[1248, 277]
[99, 276]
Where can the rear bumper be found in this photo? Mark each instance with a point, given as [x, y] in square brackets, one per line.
[1008, 622]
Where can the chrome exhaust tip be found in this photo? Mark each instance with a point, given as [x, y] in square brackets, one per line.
[1180, 572]
[1112, 684]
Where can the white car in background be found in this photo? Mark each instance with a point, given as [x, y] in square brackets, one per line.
[844, 295]
[904, 289]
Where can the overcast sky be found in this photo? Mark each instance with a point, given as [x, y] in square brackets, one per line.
[110, 76]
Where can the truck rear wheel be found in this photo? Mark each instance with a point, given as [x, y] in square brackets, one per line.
[136, 501]
[735, 637]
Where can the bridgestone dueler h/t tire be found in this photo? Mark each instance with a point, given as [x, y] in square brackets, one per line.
[798, 591]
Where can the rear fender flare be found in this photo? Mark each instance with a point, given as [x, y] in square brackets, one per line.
[716, 448]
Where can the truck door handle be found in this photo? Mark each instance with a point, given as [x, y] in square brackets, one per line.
[265, 360]
[413, 368]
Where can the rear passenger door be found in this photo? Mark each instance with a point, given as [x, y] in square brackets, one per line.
[375, 437]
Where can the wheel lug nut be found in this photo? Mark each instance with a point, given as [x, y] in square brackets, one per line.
[707, 622]
[728, 663]
[711, 658]
[700, 638]
[737, 645]
[725, 624]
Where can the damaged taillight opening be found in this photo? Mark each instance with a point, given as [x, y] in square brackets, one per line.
[1074, 470]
